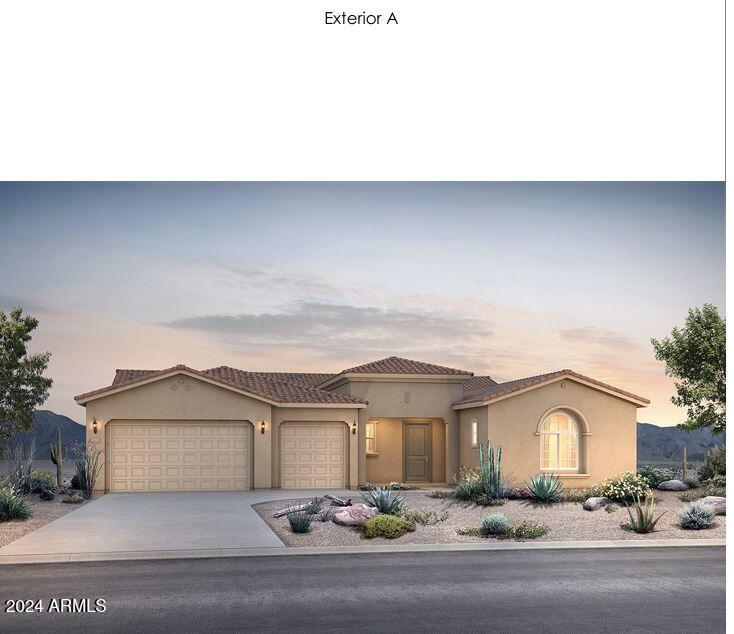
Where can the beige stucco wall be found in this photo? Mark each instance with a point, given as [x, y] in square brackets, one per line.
[182, 398]
[468, 455]
[294, 415]
[609, 449]
[387, 464]
[424, 400]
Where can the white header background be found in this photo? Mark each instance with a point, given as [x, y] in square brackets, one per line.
[215, 89]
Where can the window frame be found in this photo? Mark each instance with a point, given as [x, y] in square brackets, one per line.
[373, 438]
[576, 434]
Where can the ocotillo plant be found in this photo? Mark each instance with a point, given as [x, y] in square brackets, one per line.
[57, 458]
[490, 472]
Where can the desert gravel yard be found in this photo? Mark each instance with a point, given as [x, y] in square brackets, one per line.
[566, 521]
[43, 513]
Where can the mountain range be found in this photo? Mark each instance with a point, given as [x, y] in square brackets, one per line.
[45, 424]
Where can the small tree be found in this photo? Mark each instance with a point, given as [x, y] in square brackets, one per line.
[22, 384]
[696, 355]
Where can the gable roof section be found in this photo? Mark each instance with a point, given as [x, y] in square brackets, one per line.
[509, 388]
[478, 382]
[398, 365]
[255, 384]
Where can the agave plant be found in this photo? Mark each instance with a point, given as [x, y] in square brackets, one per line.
[490, 472]
[384, 501]
[643, 520]
[300, 520]
[545, 487]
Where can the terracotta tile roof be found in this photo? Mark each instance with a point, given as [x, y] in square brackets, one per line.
[478, 382]
[311, 379]
[398, 365]
[255, 383]
[497, 390]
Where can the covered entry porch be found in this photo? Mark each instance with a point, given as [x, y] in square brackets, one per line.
[411, 450]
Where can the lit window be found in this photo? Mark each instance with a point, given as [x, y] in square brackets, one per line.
[371, 429]
[474, 432]
[559, 442]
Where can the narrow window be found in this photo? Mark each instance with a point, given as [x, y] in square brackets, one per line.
[559, 441]
[474, 431]
[371, 428]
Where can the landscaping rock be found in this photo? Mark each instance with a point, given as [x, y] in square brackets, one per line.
[354, 515]
[718, 504]
[594, 504]
[673, 485]
[47, 495]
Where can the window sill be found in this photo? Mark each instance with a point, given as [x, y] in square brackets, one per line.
[564, 474]
[474, 446]
[372, 453]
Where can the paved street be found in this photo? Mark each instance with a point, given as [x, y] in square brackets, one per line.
[646, 589]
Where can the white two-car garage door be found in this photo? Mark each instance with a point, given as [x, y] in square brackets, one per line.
[179, 456]
[312, 456]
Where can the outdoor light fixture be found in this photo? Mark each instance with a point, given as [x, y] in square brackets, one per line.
[354, 427]
[94, 425]
[262, 426]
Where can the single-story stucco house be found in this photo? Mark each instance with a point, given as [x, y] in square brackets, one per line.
[181, 429]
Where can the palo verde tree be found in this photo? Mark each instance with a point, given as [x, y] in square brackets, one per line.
[695, 356]
[22, 384]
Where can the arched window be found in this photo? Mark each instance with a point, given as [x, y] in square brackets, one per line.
[559, 443]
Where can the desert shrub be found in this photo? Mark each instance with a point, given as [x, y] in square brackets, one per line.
[519, 493]
[716, 481]
[40, 480]
[425, 518]
[21, 467]
[642, 515]
[483, 500]
[702, 492]
[88, 468]
[523, 531]
[623, 488]
[388, 526]
[692, 481]
[611, 507]
[495, 524]
[577, 495]
[384, 501]
[314, 505]
[441, 495]
[714, 463]
[469, 486]
[400, 486]
[326, 514]
[13, 505]
[655, 475]
[472, 531]
[300, 521]
[545, 487]
[696, 516]
[73, 499]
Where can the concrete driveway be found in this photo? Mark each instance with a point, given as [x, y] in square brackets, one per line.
[139, 522]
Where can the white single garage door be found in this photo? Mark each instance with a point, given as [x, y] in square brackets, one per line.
[179, 456]
[312, 456]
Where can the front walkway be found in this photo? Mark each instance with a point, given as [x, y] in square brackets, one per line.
[140, 522]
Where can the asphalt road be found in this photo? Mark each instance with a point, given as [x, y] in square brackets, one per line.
[627, 590]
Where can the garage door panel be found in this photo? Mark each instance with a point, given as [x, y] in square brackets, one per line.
[177, 456]
[312, 456]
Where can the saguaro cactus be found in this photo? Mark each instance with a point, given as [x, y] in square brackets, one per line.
[58, 458]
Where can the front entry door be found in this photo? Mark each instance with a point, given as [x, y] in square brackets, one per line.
[417, 448]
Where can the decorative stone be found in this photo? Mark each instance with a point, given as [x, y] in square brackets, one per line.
[45, 494]
[354, 515]
[718, 504]
[594, 504]
[673, 485]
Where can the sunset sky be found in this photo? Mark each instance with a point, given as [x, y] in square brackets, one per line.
[508, 279]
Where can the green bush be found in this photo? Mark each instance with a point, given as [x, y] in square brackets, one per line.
[655, 475]
[326, 514]
[425, 518]
[41, 480]
[483, 500]
[611, 507]
[692, 481]
[440, 495]
[577, 495]
[717, 481]
[300, 521]
[623, 488]
[13, 505]
[714, 464]
[643, 519]
[388, 526]
[523, 531]
[696, 516]
[545, 487]
[495, 524]
[73, 499]
[705, 491]
[384, 501]
[469, 487]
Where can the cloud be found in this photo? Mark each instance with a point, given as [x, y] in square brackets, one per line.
[602, 338]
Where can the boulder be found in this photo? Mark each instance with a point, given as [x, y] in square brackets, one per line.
[673, 485]
[354, 515]
[593, 504]
[718, 504]
[45, 494]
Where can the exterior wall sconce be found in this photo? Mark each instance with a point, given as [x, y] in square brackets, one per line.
[354, 428]
[262, 426]
[94, 425]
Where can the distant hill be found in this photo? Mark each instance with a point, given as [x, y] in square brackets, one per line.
[666, 443]
[45, 424]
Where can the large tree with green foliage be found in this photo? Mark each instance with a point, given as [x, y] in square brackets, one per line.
[22, 384]
[695, 355]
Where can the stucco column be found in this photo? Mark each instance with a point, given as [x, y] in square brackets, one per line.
[353, 454]
[452, 446]
[362, 446]
[262, 454]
